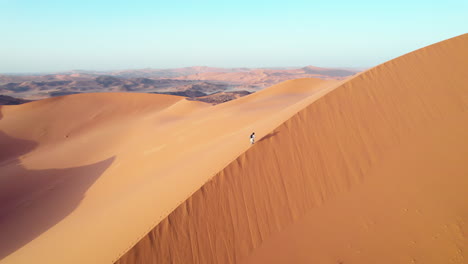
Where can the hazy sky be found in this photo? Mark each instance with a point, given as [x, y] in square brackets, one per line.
[58, 35]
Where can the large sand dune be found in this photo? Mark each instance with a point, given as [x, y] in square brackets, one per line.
[373, 172]
[369, 170]
[84, 177]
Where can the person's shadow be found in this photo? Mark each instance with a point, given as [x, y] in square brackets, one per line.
[32, 201]
[270, 135]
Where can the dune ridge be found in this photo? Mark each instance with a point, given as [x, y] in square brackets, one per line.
[344, 145]
[147, 144]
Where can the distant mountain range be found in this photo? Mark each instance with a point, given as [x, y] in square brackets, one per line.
[193, 82]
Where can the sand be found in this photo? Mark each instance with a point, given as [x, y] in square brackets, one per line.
[367, 170]
[84, 177]
[372, 172]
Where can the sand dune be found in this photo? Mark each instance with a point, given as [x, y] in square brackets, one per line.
[129, 159]
[367, 170]
[373, 172]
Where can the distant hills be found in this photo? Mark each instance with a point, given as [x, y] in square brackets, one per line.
[193, 82]
[8, 100]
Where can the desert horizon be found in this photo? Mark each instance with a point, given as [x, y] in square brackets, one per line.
[153, 163]
[199, 67]
[207, 84]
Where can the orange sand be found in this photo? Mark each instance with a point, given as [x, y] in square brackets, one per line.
[86, 176]
[373, 172]
[368, 170]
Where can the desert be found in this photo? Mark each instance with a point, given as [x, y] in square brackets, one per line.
[366, 169]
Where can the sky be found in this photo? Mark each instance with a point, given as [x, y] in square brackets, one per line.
[60, 35]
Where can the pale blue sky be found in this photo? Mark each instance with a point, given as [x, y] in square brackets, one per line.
[59, 35]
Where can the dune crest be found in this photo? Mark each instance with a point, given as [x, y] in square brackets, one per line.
[157, 150]
[372, 172]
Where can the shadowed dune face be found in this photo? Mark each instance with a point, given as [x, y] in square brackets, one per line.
[34, 200]
[12, 148]
[44, 196]
[373, 172]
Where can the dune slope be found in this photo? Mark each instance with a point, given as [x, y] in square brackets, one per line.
[375, 171]
[84, 177]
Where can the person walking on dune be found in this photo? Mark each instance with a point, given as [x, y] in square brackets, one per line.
[252, 138]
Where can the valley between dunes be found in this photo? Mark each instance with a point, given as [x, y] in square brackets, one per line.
[371, 169]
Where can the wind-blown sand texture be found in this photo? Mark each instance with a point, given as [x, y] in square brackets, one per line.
[369, 170]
